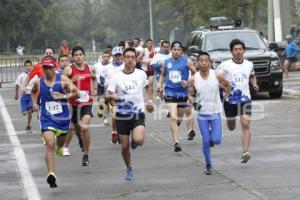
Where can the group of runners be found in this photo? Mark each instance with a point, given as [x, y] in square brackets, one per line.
[122, 84]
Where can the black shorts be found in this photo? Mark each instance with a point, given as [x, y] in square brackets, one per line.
[100, 90]
[181, 101]
[79, 111]
[126, 124]
[292, 59]
[233, 110]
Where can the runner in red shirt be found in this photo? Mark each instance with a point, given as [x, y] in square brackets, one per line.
[37, 69]
[84, 78]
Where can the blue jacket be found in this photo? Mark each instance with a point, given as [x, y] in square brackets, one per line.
[292, 50]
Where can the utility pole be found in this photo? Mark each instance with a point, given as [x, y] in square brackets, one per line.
[270, 21]
[151, 20]
[277, 21]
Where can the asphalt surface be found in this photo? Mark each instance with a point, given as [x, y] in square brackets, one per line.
[272, 173]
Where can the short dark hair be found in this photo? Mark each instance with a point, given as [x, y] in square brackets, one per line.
[49, 48]
[27, 61]
[138, 39]
[149, 40]
[130, 44]
[176, 44]
[61, 56]
[236, 42]
[203, 53]
[121, 43]
[106, 52]
[165, 42]
[129, 49]
[77, 48]
[108, 47]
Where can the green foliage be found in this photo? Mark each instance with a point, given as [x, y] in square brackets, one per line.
[39, 23]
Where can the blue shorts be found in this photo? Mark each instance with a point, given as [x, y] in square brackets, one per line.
[26, 103]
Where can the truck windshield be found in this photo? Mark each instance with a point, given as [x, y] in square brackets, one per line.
[220, 41]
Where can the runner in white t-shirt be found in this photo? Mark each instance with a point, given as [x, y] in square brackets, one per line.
[113, 68]
[158, 60]
[126, 89]
[101, 73]
[238, 71]
[25, 100]
[149, 53]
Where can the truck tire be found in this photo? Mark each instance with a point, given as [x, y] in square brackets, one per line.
[275, 95]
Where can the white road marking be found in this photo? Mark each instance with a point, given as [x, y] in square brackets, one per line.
[30, 188]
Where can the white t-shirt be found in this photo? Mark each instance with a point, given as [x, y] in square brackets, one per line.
[139, 49]
[146, 58]
[208, 94]
[130, 89]
[159, 58]
[101, 70]
[100, 59]
[20, 81]
[112, 71]
[20, 50]
[238, 75]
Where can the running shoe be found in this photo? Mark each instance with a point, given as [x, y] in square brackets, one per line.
[178, 122]
[211, 143]
[85, 160]
[114, 137]
[191, 135]
[105, 122]
[51, 180]
[66, 151]
[158, 97]
[133, 145]
[59, 151]
[168, 115]
[177, 147]
[208, 170]
[245, 157]
[129, 174]
[100, 111]
[28, 129]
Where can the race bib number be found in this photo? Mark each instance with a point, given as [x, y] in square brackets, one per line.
[175, 76]
[84, 96]
[130, 88]
[239, 79]
[53, 107]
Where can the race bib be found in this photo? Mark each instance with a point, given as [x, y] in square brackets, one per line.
[175, 76]
[53, 107]
[130, 88]
[84, 96]
[240, 79]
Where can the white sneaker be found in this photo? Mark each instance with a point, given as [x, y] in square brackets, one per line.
[66, 151]
[105, 122]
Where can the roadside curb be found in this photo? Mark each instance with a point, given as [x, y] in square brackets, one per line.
[291, 92]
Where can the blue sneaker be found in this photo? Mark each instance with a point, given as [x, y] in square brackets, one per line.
[129, 174]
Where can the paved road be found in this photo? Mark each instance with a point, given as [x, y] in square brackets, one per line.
[273, 173]
[292, 84]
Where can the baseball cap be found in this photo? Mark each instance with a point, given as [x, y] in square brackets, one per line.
[176, 44]
[48, 61]
[288, 36]
[117, 50]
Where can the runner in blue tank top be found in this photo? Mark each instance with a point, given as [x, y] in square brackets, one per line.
[175, 75]
[54, 90]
